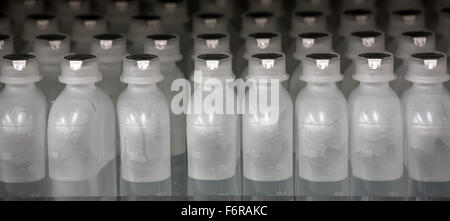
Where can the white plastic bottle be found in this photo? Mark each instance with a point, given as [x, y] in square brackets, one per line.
[443, 34]
[212, 137]
[307, 43]
[5, 24]
[23, 115]
[81, 133]
[255, 43]
[140, 27]
[67, 10]
[322, 122]
[401, 21]
[84, 28]
[18, 10]
[258, 21]
[351, 21]
[119, 13]
[303, 22]
[360, 42]
[167, 48]
[7, 47]
[409, 43]
[426, 106]
[144, 122]
[267, 133]
[376, 129]
[37, 24]
[209, 44]
[51, 49]
[110, 50]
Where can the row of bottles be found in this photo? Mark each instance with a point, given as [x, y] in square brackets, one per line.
[101, 122]
[367, 147]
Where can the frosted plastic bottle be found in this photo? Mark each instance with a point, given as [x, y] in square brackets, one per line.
[426, 106]
[267, 141]
[51, 49]
[258, 21]
[175, 19]
[119, 13]
[84, 28]
[18, 10]
[37, 24]
[443, 34]
[256, 43]
[209, 44]
[110, 50]
[401, 21]
[140, 27]
[167, 47]
[376, 129]
[352, 21]
[307, 43]
[322, 122]
[23, 113]
[6, 44]
[81, 133]
[303, 22]
[5, 24]
[360, 42]
[67, 10]
[213, 138]
[408, 44]
[144, 119]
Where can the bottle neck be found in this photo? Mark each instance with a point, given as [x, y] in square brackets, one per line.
[142, 87]
[374, 85]
[80, 87]
[429, 87]
[20, 86]
[325, 85]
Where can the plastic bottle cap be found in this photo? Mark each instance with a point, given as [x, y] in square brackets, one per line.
[364, 42]
[211, 43]
[213, 66]
[19, 69]
[80, 69]
[39, 24]
[268, 66]
[405, 20]
[109, 48]
[258, 21]
[307, 21]
[427, 68]
[166, 46]
[415, 42]
[51, 48]
[141, 69]
[172, 11]
[322, 68]
[143, 25]
[86, 26]
[312, 42]
[355, 20]
[6, 44]
[374, 67]
[262, 42]
[206, 22]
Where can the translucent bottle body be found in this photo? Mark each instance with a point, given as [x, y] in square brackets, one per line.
[144, 124]
[212, 150]
[171, 72]
[376, 141]
[426, 110]
[322, 151]
[81, 143]
[23, 116]
[268, 146]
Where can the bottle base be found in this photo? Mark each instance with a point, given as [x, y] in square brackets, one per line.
[274, 190]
